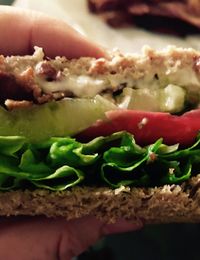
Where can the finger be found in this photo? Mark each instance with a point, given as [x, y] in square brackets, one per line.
[78, 235]
[50, 238]
[86, 231]
[122, 226]
[21, 30]
[30, 237]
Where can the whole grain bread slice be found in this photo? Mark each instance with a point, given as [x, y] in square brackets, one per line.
[166, 204]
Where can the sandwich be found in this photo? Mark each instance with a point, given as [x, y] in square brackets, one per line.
[111, 137]
[165, 16]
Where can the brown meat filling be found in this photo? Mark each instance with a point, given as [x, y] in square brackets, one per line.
[152, 14]
[10, 88]
[22, 90]
[15, 90]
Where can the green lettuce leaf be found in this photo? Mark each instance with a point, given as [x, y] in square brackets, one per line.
[60, 163]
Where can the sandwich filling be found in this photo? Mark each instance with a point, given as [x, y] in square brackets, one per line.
[134, 110]
[172, 88]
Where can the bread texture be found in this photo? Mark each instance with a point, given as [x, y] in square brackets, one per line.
[171, 59]
[166, 204]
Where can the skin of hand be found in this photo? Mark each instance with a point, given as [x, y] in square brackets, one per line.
[21, 30]
[40, 238]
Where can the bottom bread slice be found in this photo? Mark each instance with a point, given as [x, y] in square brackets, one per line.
[166, 204]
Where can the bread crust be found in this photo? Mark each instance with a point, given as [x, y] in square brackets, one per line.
[137, 66]
[166, 204]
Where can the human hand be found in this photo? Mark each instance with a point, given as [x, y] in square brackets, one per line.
[40, 238]
[22, 29]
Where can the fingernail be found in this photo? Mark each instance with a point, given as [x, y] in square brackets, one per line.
[122, 226]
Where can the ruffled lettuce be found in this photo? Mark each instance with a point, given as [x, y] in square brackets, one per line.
[60, 163]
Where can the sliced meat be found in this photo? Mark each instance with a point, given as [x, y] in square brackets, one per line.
[118, 12]
[179, 10]
[19, 91]
[10, 88]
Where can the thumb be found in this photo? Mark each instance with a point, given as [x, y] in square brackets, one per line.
[79, 234]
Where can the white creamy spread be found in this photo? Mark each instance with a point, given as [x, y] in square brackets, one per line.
[167, 91]
[80, 86]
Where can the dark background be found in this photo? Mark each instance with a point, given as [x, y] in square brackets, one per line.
[158, 242]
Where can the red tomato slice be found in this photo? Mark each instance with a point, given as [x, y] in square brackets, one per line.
[147, 127]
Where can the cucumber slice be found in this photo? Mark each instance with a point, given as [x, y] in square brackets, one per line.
[66, 117]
